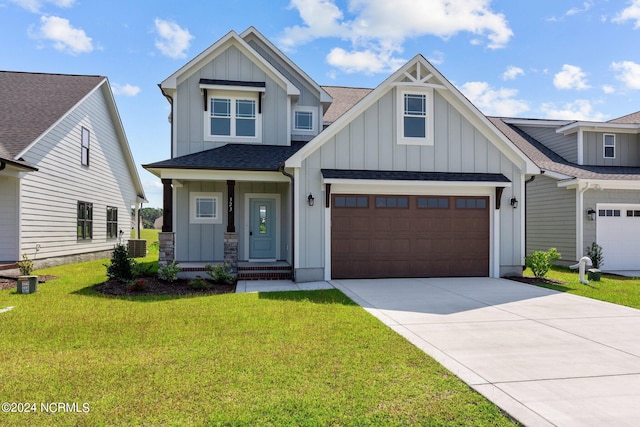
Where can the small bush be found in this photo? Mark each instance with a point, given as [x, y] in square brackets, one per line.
[138, 285]
[199, 284]
[221, 273]
[26, 265]
[169, 272]
[122, 265]
[540, 262]
[595, 253]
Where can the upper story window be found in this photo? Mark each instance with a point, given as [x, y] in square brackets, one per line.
[233, 117]
[415, 116]
[84, 156]
[304, 120]
[609, 146]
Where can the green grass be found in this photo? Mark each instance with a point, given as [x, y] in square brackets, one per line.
[611, 288]
[292, 358]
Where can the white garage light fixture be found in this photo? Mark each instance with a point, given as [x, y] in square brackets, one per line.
[591, 213]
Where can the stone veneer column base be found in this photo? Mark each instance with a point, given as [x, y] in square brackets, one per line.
[167, 242]
[231, 251]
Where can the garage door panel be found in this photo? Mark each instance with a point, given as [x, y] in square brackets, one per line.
[410, 241]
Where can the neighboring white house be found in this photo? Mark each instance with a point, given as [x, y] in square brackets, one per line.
[68, 180]
[589, 190]
[408, 179]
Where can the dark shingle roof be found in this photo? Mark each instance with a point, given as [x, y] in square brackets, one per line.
[547, 159]
[413, 176]
[233, 157]
[31, 102]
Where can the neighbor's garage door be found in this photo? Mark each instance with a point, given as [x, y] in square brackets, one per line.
[409, 236]
[618, 232]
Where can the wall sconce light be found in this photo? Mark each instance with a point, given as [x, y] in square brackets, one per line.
[514, 202]
[310, 199]
[592, 214]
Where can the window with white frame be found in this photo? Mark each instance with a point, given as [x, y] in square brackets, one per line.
[304, 119]
[234, 117]
[609, 146]
[84, 142]
[205, 208]
[415, 116]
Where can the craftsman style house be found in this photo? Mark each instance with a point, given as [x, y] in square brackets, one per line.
[68, 180]
[412, 180]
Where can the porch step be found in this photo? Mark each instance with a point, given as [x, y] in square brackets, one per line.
[264, 272]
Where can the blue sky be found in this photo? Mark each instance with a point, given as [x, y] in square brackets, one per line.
[541, 59]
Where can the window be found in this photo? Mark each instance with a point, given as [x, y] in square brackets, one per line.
[205, 208]
[609, 212]
[233, 117]
[392, 202]
[633, 213]
[433, 203]
[609, 146]
[303, 119]
[415, 116]
[84, 156]
[469, 203]
[112, 222]
[351, 202]
[85, 221]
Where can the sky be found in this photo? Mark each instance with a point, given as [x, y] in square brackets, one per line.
[576, 60]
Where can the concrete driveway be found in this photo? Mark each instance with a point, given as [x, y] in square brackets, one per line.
[545, 357]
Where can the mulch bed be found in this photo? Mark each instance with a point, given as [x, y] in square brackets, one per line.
[155, 286]
[534, 280]
[12, 282]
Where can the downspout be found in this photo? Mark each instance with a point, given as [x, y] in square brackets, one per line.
[580, 218]
[170, 99]
[530, 180]
[293, 223]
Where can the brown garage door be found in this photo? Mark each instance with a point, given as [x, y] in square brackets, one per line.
[409, 236]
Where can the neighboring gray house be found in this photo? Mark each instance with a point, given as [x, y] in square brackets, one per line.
[67, 177]
[589, 190]
[412, 180]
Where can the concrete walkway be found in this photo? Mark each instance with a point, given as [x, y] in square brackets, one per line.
[278, 286]
[547, 358]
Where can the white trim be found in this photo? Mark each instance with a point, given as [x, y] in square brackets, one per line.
[314, 120]
[602, 184]
[216, 196]
[537, 122]
[427, 92]
[580, 147]
[599, 127]
[523, 220]
[296, 227]
[411, 185]
[233, 97]
[232, 88]
[555, 175]
[327, 236]
[580, 219]
[604, 145]
[219, 175]
[247, 212]
[494, 256]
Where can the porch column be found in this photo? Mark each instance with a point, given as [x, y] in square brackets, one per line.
[167, 206]
[231, 221]
[231, 237]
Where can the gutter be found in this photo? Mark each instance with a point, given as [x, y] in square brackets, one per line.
[293, 223]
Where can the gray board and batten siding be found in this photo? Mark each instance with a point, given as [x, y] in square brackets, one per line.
[627, 152]
[565, 146]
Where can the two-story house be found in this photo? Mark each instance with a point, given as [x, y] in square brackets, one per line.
[412, 180]
[589, 189]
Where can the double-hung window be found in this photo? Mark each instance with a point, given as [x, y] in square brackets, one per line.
[234, 117]
[85, 221]
[415, 116]
[609, 146]
[112, 222]
[84, 155]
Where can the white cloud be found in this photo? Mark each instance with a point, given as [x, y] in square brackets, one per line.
[378, 28]
[512, 72]
[627, 72]
[363, 61]
[436, 58]
[499, 102]
[580, 109]
[571, 77]
[36, 5]
[576, 10]
[173, 40]
[65, 37]
[608, 89]
[125, 90]
[631, 13]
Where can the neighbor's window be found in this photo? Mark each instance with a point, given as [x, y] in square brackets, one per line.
[85, 220]
[205, 208]
[415, 118]
[85, 146]
[609, 146]
[234, 116]
[112, 222]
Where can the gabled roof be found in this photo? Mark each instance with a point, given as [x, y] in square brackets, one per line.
[248, 157]
[428, 76]
[230, 39]
[30, 103]
[344, 98]
[548, 160]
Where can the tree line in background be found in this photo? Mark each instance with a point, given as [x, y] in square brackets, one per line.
[148, 215]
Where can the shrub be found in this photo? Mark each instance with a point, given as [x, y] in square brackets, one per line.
[122, 265]
[220, 273]
[540, 262]
[595, 253]
[26, 265]
[199, 284]
[169, 272]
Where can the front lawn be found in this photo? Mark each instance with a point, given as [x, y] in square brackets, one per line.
[293, 358]
[616, 289]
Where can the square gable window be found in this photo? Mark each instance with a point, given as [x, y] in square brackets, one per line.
[204, 208]
[304, 120]
[415, 116]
